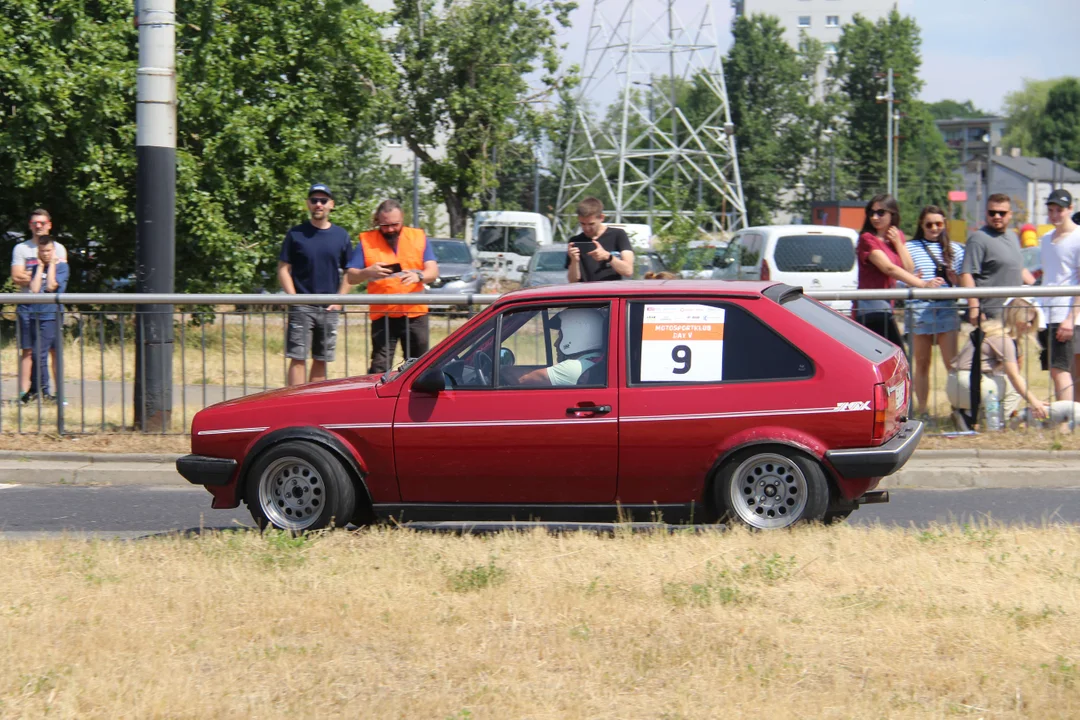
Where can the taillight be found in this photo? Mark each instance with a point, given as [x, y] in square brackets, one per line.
[764, 269]
[881, 405]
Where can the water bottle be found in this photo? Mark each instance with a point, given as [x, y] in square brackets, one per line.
[993, 412]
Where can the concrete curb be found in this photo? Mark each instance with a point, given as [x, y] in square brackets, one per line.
[927, 469]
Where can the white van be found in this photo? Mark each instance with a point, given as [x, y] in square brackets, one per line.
[815, 257]
[640, 234]
[504, 241]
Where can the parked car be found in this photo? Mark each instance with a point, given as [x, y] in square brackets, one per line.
[546, 267]
[459, 272]
[815, 257]
[695, 401]
[704, 254]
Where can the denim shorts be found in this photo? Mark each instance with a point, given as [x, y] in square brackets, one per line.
[311, 328]
[934, 317]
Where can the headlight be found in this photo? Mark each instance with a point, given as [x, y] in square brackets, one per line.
[469, 276]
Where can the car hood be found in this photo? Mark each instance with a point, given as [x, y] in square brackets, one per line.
[458, 269]
[312, 390]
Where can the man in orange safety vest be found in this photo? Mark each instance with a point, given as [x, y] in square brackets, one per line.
[394, 260]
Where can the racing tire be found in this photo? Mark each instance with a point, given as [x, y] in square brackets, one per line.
[770, 488]
[298, 487]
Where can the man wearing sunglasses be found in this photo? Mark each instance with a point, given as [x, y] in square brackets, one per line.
[394, 260]
[312, 262]
[992, 258]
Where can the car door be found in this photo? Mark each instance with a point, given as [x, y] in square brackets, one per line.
[750, 256]
[493, 437]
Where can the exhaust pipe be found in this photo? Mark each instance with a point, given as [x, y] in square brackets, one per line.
[874, 497]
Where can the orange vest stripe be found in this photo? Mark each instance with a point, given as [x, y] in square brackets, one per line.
[410, 253]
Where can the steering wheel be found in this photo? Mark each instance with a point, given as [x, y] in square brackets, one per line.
[482, 366]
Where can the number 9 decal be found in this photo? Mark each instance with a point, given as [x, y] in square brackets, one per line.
[681, 354]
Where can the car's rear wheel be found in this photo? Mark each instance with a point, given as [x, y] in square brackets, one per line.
[771, 488]
[299, 486]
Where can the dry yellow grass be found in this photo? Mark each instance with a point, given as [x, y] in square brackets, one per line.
[822, 622]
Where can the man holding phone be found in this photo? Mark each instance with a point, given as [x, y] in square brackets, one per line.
[599, 252]
[394, 260]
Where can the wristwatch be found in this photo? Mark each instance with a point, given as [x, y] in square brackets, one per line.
[419, 275]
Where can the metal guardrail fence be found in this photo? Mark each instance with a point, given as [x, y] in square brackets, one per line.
[227, 346]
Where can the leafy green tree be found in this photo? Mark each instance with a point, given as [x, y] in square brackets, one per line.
[1023, 108]
[769, 92]
[271, 98]
[67, 131]
[1056, 133]
[463, 86]
[864, 54]
[949, 109]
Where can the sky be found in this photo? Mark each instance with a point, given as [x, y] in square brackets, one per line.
[972, 49]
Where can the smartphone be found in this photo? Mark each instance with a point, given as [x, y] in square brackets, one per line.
[394, 267]
[585, 247]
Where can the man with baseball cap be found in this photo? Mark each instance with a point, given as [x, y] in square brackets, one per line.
[1060, 252]
[312, 262]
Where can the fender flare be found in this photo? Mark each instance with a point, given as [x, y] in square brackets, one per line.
[317, 435]
[714, 471]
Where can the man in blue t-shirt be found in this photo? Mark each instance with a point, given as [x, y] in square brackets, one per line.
[312, 261]
[49, 276]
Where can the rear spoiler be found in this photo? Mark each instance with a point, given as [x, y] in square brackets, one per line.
[781, 293]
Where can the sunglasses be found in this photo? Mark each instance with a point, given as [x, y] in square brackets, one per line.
[391, 226]
[879, 213]
[998, 213]
[932, 225]
[318, 200]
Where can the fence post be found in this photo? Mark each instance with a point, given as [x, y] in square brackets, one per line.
[59, 340]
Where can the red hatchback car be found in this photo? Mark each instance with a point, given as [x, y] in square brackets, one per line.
[686, 401]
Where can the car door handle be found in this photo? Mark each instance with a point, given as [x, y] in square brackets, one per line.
[594, 409]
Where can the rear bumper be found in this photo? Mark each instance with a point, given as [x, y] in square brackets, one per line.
[203, 470]
[878, 461]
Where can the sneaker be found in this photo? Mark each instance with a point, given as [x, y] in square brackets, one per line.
[26, 398]
[48, 399]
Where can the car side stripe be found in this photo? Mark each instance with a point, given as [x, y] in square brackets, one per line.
[229, 431]
[507, 423]
[720, 416]
[358, 426]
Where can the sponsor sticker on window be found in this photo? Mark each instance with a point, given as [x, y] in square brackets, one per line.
[682, 343]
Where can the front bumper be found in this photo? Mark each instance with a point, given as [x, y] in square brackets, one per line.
[203, 470]
[881, 460]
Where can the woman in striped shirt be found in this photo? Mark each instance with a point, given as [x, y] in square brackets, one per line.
[936, 322]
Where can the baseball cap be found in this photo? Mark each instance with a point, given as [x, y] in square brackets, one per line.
[320, 188]
[1061, 198]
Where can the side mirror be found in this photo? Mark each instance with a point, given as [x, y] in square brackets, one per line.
[431, 381]
[506, 357]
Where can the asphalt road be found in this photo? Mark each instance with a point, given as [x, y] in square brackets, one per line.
[28, 511]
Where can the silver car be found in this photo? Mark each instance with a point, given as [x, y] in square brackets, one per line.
[459, 273]
[547, 266]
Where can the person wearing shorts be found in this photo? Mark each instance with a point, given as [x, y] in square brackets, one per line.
[312, 262]
[23, 261]
[935, 322]
[1060, 252]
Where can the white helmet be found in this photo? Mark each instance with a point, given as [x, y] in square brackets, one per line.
[582, 330]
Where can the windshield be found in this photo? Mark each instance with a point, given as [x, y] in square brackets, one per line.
[550, 262]
[451, 251]
[814, 253]
[868, 344]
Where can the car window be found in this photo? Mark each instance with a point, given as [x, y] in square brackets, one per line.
[707, 343]
[550, 262]
[522, 241]
[814, 253]
[545, 346]
[750, 252]
[491, 238]
[451, 252]
[865, 342]
[468, 364]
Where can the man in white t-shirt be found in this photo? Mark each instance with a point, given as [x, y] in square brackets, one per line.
[1060, 251]
[23, 260]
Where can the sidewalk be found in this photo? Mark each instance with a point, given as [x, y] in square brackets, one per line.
[927, 469]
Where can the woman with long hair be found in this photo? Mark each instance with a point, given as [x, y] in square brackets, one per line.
[883, 259]
[1000, 354]
[935, 322]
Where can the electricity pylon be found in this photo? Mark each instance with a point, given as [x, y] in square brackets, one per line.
[651, 156]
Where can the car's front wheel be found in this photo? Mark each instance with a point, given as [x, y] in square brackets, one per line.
[771, 488]
[299, 486]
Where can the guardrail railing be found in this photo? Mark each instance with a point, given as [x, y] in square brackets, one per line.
[227, 346]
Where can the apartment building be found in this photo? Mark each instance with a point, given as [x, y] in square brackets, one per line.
[819, 19]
